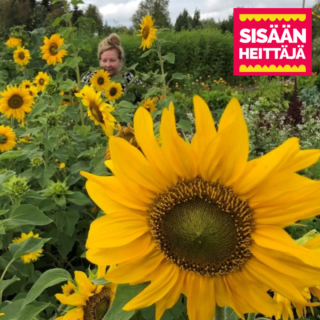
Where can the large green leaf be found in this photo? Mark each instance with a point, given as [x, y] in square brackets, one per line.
[47, 279]
[124, 294]
[6, 283]
[28, 246]
[26, 214]
[30, 311]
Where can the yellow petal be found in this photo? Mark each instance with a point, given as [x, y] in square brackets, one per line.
[117, 229]
[178, 153]
[144, 134]
[85, 285]
[74, 314]
[167, 276]
[200, 294]
[235, 147]
[74, 299]
[115, 255]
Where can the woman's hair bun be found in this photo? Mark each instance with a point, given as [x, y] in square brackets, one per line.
[114, 40]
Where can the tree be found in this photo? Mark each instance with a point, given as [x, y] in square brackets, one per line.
[76, 13]
[183, 22]
[158, 9]
[93, 12]
[209, 23]
[227, 25]
[196, 23]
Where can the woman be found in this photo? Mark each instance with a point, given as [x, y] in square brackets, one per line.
[111, 58]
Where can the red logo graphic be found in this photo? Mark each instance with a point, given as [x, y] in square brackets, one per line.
[272, 42]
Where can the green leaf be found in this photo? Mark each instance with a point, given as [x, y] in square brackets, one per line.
[6, 283]
[12, 310]
[185, 125]
[56, 21]
[230, 314]
[170, 57]
[73, 62]
[11, 155]
[124, 294]
[26, 214]
[76, 2]
[67, 16]
[178, 76]
[126, 104]
[30, 311]
[27, 246]
[47, 279]
[79, 199]
[60, 200]
[147, 53]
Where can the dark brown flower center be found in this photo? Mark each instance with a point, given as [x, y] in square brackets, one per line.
[41, 82]
[53, 49]
[202, 227]
[98, 305]
[145, 32]
[96, 112]
[113, 92]
[21, 55]
[15, 101]
[100, 81]
[3, 139]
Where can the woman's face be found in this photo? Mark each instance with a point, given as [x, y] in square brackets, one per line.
[110, 61]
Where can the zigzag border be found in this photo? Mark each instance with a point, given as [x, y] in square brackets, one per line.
[272, 17]
[272, 68]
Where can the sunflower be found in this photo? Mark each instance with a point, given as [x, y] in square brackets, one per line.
[200, 219]
[98, 111]
[21, 56]
[310, 240]
[7, 138]
[126, 133]
[149, 105]
[14, 42]
[147, 32]
[32, 256]
[41, 80]
[89, 301]
[51, 49]
[100, 80]
[113, 91]
[26, 84]
[15, 102]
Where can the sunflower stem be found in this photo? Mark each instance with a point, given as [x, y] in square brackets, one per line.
[162, 69]
[220, 313]
[251, 316]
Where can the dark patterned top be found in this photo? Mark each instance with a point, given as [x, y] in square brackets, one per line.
[128, 76]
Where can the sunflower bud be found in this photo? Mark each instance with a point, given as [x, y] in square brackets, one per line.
[36, 162]
[16, 186]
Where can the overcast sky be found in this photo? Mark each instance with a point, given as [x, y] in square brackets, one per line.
[119, 12]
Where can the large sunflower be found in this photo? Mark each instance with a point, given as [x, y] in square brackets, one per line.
[21, 56]
[13, 42]
[147, 32]
[113, 91]
[15, 102]
[41, 80]
[200, 219]
[87, 301]
[98, 111]
[32, 256]
[100, 80]
[51, 49]
[7, 138]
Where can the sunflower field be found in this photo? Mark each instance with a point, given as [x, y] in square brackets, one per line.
[200, 201]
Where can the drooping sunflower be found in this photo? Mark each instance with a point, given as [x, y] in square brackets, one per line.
[200, 219]
[51, 51]
[41, 80]
[113, 91]
[21, 56]
[32, 256]
[100, 80]
[89, 301]
[7, 138]
[147, 32]
[15, 102]
[98, 111]
[149, 105]
[13, 42]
